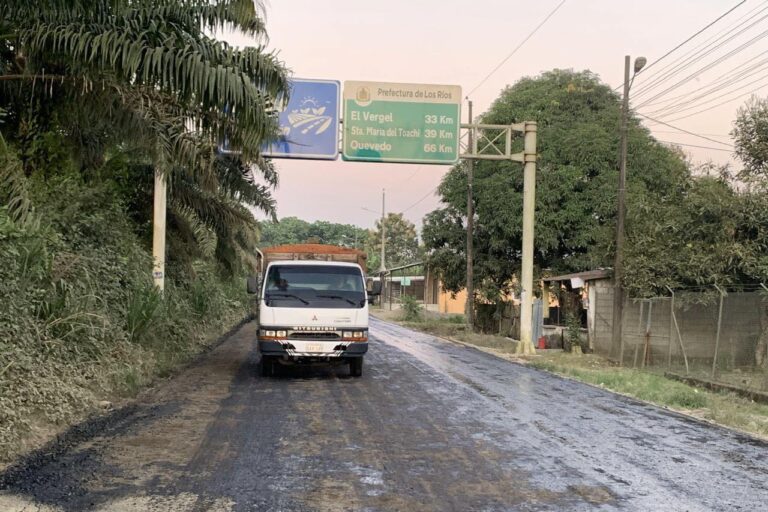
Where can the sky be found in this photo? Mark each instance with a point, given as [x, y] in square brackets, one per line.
[460, 43]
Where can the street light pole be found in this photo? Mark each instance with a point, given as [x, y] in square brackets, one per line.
[383, 267]
[618, 265]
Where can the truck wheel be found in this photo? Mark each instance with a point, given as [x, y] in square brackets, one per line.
[356, 367]
[267, 366]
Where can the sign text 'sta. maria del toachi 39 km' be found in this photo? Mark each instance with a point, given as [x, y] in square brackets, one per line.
[410, 123]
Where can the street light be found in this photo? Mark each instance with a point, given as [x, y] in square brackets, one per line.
[618, 291]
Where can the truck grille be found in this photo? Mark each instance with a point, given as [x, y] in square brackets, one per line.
[308, 335]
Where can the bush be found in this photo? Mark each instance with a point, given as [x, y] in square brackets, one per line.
[411, 308]
[80, 319]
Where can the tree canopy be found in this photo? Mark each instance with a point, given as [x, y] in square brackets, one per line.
[125, 89]
[577, 172]
[292, 230]
[401, 243]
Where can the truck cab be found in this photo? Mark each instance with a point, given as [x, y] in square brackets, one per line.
[312, 308]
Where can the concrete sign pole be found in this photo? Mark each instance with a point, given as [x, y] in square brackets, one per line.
[158, 230]
[529, 213]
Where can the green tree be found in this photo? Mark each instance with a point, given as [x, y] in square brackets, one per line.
[577, 172]
[401, 243]
[750, 135]
[134, 87]
[292, 230]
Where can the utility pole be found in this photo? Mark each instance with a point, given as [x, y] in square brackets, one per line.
[618, 264]
[383, 266]
[529, 214]
[470, 228]
[158, 230]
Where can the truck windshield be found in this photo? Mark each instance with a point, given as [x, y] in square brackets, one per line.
[319, 286]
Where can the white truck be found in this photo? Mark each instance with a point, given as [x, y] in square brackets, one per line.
[312, 306]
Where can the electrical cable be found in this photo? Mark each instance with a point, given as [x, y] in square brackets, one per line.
[684, 131]
[552, 13]
[679, 110]
[686, 41]
[719, 104]
[697, 53]
[695, 146]
[732, 77]
[709, 66]
[422, 199]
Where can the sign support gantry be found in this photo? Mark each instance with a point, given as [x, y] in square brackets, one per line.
[495, 142]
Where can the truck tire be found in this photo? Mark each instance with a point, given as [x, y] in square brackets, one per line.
[356, 367]
[267, 366]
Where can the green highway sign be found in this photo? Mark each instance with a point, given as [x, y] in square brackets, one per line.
[410, 123]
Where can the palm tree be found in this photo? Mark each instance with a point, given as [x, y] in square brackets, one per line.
[146, 75]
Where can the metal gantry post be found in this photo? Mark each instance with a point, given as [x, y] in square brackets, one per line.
[470, 306]
[529, 214]
[158, 229]
[483, 141]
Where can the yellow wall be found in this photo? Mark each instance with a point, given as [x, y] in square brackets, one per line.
[452, 304]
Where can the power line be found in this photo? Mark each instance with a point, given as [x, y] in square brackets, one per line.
[694, 55]
[695, 146]
[673, 50]
[422, 199]
[552, 13]
[673, 110]
[684, 131]
[719, 104]
[732, 77]
[709, 66]
[677, 132]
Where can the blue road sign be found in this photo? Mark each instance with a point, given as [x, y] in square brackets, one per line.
[309, 125]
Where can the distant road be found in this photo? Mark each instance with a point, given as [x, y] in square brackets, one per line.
[431, 426]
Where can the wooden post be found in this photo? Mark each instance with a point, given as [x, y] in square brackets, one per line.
[717, 337]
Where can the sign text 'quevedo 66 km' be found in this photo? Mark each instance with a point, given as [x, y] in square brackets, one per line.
[411, 123]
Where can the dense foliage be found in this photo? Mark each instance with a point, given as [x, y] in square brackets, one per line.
[96, 98]
[401, 243]
[292, 230]
[682, 229]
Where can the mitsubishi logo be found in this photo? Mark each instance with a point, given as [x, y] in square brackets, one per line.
[314, 318]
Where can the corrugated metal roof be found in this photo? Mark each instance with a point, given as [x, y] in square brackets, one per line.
[589, 275]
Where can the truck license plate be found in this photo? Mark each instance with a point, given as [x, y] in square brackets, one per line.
[314, 347]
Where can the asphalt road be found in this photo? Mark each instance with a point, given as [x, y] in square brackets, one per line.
[430, 426]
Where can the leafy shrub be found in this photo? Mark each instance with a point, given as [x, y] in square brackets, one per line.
[411, 308]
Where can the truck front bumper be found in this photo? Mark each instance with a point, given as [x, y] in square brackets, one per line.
[313, 349]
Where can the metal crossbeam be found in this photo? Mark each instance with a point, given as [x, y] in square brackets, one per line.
[490, 141]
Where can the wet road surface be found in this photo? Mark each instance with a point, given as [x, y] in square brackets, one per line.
[431, 426]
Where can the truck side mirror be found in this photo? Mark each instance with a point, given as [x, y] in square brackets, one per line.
[254, 284]
[375, 288]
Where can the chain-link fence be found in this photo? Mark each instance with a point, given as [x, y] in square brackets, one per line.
[714, 334]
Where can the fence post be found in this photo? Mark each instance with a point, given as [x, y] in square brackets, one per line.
[647, 344]
[671, 331]
[679, 336]
[639, 329]
[717, 338]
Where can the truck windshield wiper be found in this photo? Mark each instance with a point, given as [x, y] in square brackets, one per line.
[339, 297]
[286, 295]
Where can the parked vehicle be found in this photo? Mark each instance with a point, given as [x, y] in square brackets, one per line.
[313, 306]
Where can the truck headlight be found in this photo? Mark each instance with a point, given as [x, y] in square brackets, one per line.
[281, 334]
